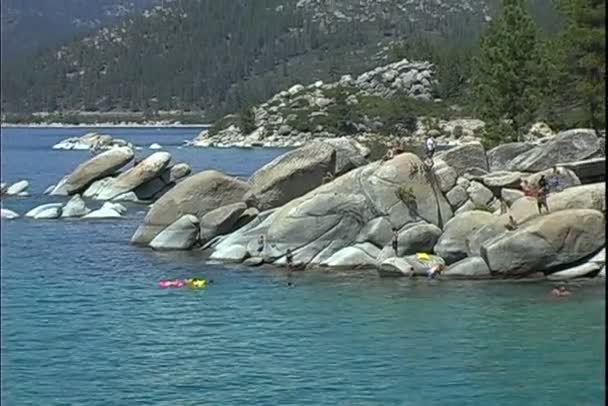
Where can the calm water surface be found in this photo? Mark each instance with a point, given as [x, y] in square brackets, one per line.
[83, 322]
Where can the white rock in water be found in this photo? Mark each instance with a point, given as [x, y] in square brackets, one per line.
[49, 189]
[17, 188]
[109, 210]
[8, 214]
[40, 209]
[23, 194]
[574, 272]
[155, 146]
[76, 207]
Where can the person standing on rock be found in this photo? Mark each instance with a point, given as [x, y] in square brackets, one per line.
[430, 150]
[289, 259]
[395, 241]
[541, 195]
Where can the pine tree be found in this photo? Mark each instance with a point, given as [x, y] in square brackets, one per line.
[507, 70]
[584, 41]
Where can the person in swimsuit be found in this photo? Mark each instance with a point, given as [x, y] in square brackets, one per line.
[435, 271]
[541, 195]
[560, 292]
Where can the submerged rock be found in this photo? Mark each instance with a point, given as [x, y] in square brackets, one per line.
[8, 214]
[90, 141]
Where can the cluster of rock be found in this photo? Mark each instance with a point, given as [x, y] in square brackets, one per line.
[275, 120]
[450, 213]
[92, 141]
[209, 204]
[18, 189]
[100, 178]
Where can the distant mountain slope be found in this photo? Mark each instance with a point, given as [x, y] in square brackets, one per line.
[218, 56]
[29, 25]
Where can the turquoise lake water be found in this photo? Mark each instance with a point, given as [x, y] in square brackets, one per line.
[84, 323]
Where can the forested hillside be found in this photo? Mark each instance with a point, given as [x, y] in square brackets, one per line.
[31, 25]
[215, 57]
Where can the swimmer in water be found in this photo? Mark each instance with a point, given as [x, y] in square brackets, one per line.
[435, 271]
[561, 291]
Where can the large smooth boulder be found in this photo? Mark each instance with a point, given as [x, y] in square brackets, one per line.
[291, 175]
[346, 211]
[109, 210]
[452, 245]
[468, 268]
[221, 220]
[465, 157]
[146, 170]
[8, 214]
[49, 208]
[499, 157]
[98, 167]
[592, 196]
[567, 146]
[96, 187]
[395, 267]
[181, 235]
[196, 195]
[76, 207]
[545, 242]
[179, 171]
[479, 194]
[349, 154]
[17, 188]
[502, 179]
[235, 253]
[494, 228]
[417, 237]
[457, 196]
[445, 175]
[355, 257]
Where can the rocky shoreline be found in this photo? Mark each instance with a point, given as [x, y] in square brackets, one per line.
[334, 208]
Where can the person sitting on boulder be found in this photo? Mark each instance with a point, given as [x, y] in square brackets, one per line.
[430, 151]
[390, 154]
